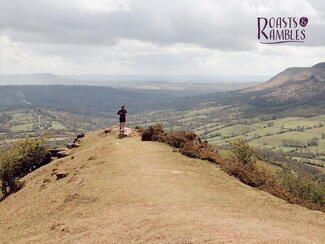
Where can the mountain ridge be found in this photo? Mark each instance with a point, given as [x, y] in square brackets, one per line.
[126, 190]
[295, 84]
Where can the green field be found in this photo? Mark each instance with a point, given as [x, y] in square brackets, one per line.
[285, 134]
[22, 127]
[58, 127]
[55, 125]
[293, 136]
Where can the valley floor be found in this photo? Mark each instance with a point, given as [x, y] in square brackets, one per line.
[128, 191]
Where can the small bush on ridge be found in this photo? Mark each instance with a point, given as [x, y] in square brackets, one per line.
[153, 133]
[302, 187]
[188, 142]
[179, 139]
[23, 157]
[201, 151]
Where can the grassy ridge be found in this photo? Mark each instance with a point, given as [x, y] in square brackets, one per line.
[242, 163]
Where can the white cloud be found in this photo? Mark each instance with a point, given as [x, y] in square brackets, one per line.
[152, 36]
[97, 6]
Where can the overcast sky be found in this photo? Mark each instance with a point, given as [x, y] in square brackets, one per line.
[153, 36]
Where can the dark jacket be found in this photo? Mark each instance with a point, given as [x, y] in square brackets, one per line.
[122, 112]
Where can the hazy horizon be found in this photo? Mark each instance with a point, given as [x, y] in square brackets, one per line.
[101, 79]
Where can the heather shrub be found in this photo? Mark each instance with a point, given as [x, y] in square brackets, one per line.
[274, 187]
[23, 157]
[244, 153]
[243, 165]
[188, 143]
[8, 181]
[302, 187]
[200, 150]
[179, 139]
[285, 185]
[246, 173]
[153, 133]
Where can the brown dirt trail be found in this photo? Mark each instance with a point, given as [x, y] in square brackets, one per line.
[114, 190]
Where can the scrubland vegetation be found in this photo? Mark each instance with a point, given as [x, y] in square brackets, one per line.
[187, 142]
[242, 163]
[21, 158]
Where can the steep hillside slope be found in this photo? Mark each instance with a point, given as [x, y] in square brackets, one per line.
[280, 78]
[294, 74]
[112, 190]
[295, 84]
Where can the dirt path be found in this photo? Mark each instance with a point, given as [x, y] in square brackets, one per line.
[128, 191]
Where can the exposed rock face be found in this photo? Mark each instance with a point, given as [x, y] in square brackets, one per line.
[58, 153]
[79, 137]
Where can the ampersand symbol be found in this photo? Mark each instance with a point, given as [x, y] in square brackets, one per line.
[303, 21]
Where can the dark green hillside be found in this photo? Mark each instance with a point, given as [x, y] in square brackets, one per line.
[81, 99]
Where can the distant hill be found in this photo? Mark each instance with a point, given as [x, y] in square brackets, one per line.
[280, 78]
[112, 190]
[182, 88]
[294, 86]
[304, 84]
[85, 99]
[185, 85]
[34, 79]
[171, 78]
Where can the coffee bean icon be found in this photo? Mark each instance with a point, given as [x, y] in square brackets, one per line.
[303, 21]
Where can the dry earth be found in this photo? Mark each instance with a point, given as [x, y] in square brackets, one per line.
[122, 190]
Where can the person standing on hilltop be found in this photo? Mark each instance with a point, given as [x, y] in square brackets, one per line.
[122, 113]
